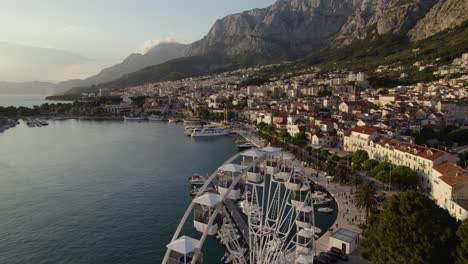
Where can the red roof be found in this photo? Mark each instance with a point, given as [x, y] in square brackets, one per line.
[451, 173]
[364, 130]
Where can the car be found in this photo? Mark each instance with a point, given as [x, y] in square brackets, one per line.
[329, 257]
[337, 250]
[453, 151]
[320, 260]
[339, 255]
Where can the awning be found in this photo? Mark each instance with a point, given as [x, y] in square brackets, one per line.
[184, 245]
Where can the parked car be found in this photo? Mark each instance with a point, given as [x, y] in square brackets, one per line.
[320, 260]
[329, 257]
[339, 255]
[337, 250]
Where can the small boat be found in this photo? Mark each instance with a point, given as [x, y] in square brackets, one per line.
[322, 201]
[325, 210]
[194, 191]
[155, 118]
[197, 179]
[247, 145]
[133, 118]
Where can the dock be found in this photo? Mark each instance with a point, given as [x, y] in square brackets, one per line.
[250, 136]
[239, 219]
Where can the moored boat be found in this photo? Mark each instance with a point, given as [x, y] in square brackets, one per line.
[209, 131]
[133, 118]
[196, 179]
[155, 118]
[325, 210]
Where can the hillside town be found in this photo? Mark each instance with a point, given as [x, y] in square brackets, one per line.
[337, 110]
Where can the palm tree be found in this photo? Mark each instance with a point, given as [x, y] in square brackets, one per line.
[365, 197]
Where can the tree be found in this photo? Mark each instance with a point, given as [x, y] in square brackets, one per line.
[462, 249]
[405, 178]
[369, 164]
[300, 139]
[365, 197]
[411, 228]
[358, 158]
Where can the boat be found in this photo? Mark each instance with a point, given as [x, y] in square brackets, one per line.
[155, 118]
[209, 131]
[325, 210]
[189, 129]
[194, 191]
[197, 179]
[174, 120]
[246, 145]
[322, 201]
[133, 118]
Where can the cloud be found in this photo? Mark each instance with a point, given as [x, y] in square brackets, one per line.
[147, 45]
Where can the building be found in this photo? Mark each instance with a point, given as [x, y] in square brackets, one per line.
[450, 189]
[360, 138]
[344, 239]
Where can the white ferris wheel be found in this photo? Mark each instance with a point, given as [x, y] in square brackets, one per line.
[261, 210]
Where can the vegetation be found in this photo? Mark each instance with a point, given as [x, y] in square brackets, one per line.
[463, 159]
[411, 228]
[399, 176]
[366, 197]
[462, 249]
[444, 137]
[358, 157]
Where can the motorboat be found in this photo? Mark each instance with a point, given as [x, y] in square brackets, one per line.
[322, 201]
[325, 210]
[209, 131]
[246, 145]
[196, 179]
[189, 129]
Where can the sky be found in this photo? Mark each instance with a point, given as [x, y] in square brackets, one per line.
[106, 31]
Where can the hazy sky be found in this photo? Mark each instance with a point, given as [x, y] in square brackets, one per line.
[111, 28]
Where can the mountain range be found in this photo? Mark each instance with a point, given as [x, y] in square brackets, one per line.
[285, 30]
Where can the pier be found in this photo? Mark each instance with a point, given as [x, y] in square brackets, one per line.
[238, 218]
[250, 136]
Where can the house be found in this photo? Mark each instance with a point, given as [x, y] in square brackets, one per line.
[450, 189]
[359, 138]
[344, 239]
[353, 106]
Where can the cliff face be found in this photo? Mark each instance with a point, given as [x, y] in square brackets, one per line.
[292, 28]
[445, 14]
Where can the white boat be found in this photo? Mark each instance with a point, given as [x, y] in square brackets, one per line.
[155, 118]
[197, 179]
[209, 131]
[325, 210]
[322, 201]
[133, 118]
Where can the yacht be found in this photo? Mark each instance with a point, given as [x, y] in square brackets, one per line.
[189, 129]
[209, 131]
[155, 118]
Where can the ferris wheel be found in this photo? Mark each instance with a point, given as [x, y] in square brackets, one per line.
[261, 210]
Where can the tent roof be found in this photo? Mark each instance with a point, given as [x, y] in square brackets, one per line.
[255, 153]
[209, 199]
[271, 149]
[184, 245]
[306, 209]
[232, 168]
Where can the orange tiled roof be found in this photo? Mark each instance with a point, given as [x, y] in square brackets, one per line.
[364, 130]
[449, 173]
[413, 149]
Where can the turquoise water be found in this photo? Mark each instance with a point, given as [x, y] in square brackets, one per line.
[25, 100]
[101, 192]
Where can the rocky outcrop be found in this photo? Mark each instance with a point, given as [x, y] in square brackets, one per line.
[287, 28]
[445, 14]
[402, 15]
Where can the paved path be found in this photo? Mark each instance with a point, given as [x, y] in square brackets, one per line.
[254, 138]
[346, 211]
[239, 220]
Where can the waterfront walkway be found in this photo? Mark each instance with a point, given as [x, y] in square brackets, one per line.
[251, 136]
[349, 217]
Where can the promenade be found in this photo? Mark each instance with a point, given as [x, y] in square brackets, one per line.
[251, 136]
[348, 216]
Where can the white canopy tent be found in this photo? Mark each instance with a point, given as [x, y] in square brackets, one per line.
[271, 149]
[208, 199]
[232, 168]
[254, 153]
[184, 245]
